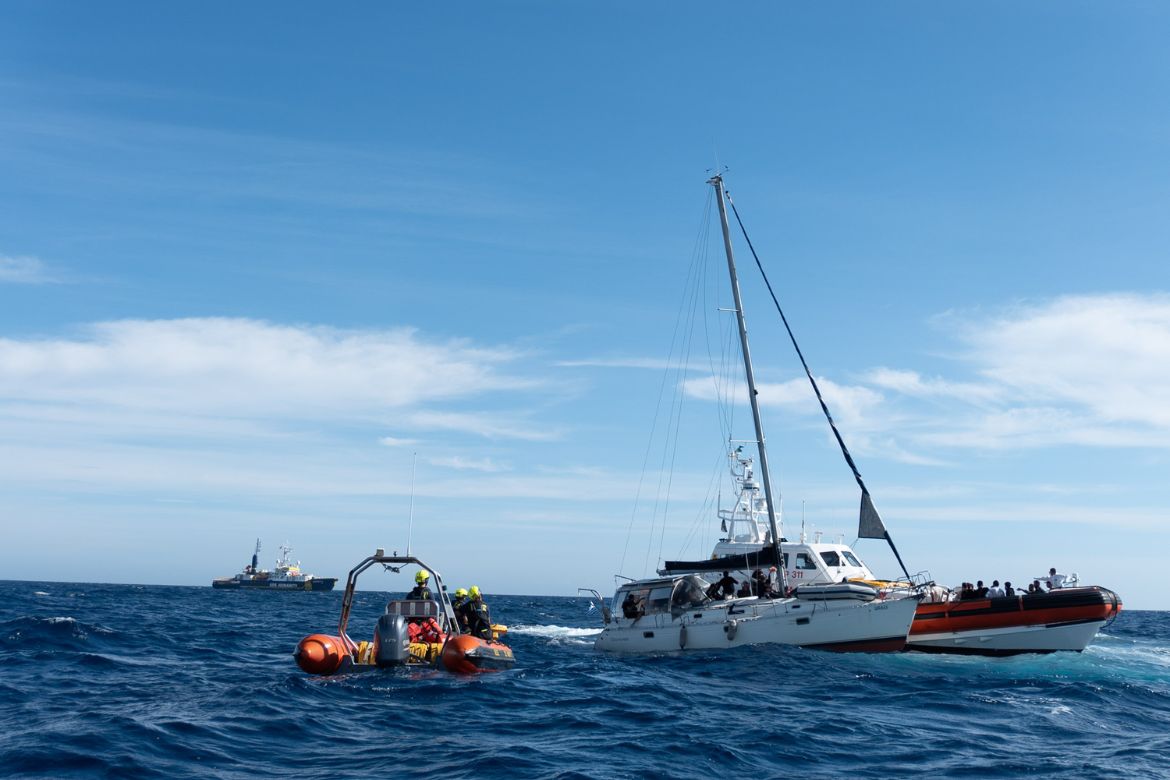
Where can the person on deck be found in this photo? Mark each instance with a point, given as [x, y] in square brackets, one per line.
[1008, 590]
[479, 619]
[760, 585]
[995, 592]
[1055, 581]
[632, 607]
[726, 585]
[745, 589]
[421, 592]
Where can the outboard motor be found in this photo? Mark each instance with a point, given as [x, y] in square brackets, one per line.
[391, 641]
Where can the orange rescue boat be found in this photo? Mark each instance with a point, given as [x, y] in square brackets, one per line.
[411, 632]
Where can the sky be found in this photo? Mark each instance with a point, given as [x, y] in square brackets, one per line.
[351, 276]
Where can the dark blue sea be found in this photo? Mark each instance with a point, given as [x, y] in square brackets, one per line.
[146, 681]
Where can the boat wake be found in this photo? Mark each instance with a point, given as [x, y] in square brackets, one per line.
[556, 633]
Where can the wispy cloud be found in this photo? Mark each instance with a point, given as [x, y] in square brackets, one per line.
[391, 441]
[486, 465]
[1080, 370]
[486, 424]
[654, 364]
[24, 270]
[250, 368]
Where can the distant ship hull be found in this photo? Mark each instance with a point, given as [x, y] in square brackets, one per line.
[258, 583]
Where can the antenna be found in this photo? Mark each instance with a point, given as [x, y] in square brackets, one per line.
[410, 528]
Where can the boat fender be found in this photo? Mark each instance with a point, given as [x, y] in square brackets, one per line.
[731, 627]
[320, 654]
[682, 637]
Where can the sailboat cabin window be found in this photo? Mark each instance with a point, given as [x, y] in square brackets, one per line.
[831, 558]
[803, 561]
[659, 599]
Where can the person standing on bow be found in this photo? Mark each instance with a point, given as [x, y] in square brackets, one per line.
[421, 592]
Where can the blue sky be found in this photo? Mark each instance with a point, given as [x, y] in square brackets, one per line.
[253, 259]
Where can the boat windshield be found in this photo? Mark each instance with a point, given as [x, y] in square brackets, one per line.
[851, 558]
[690, 591]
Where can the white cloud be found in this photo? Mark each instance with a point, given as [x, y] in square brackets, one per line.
[1077, 370]
[911, 383]
[1108, 355]
[249, 368]
[490, 426]
[853, 405]
[654, 364]
[23, 270]
[391, 441]
[486, 465]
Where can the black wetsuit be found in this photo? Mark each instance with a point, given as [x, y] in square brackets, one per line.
[421, 592]
[477, 618]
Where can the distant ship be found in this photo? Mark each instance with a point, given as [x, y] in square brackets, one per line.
[286, 576]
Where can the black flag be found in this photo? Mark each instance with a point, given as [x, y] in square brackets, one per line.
[870, 525]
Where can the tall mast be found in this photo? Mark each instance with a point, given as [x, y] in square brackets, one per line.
[717, 182]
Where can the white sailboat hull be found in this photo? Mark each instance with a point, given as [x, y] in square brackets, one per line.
[840, 625]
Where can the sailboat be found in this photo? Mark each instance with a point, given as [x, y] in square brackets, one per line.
[1065, 617]
[683, 611]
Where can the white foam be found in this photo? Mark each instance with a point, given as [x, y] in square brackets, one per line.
[39, 593]
[555, 632]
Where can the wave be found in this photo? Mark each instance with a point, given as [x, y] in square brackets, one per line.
[30, 628]
[555, 632]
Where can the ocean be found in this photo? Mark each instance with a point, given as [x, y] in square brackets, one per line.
[129, 681]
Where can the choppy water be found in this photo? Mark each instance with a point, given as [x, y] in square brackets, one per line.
[146, 681]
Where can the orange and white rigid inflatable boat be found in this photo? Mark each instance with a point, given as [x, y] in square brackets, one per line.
[411, 632]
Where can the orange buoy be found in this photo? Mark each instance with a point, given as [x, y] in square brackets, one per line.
[466, 654]
[320, 654]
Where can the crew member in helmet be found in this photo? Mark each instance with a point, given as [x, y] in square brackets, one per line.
[421, 591]
[479, 619]
[457, 604]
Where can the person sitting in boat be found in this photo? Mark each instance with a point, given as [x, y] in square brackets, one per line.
[424, 631]
[421, 591]
[759, 584]
[1035, 589]
[1008, 590]
[995, 592]
[1055, 581]
[726, 585]
[745, 589]
[479, 619]
[633, 607]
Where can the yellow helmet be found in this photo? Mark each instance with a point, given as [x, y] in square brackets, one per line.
[422, 576]
[461, 593]
[474, 592]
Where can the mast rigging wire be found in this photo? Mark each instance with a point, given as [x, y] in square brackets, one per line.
[824, 407]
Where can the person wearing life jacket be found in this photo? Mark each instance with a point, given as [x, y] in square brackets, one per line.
[421, 591]
[479, 619]
[428, 631]
[457, 604]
